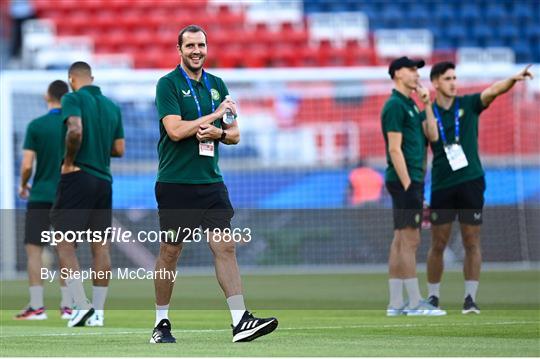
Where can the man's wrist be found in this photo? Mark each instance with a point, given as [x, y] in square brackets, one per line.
[406, 184]
[223, 135]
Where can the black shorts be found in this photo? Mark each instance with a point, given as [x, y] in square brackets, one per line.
[36, 221]
[190, 206]
[83, 201]
[406, 205]
[466, 200]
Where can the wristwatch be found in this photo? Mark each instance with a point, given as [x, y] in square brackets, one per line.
[223, 135]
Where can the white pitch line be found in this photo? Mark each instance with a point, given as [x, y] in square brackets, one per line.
[404, 325]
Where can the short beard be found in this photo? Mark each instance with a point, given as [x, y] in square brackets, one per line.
[193, 69]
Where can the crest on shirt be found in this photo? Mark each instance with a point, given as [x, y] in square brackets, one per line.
[215, 95]
[186, 93]
[461, 112]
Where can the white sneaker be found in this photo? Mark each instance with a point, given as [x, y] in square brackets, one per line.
[424, 309]
[79, 317]
[395, 312]
[96, 320]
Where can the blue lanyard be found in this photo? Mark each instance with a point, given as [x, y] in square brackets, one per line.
[206, 83]
[54, 111]
[456, 122]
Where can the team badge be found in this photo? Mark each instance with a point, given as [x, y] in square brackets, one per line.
[186, 93]
[215, 95]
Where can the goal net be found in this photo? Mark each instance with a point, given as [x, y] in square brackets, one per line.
[304, 133]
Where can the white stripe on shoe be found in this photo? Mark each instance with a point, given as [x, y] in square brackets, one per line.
[247, 333]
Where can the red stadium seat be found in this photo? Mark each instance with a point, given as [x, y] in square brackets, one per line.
[132, 25]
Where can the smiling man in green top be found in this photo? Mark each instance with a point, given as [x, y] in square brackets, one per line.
[94, 134]
[42, 145]
[457, 177]
[189, 190]
[405, 131]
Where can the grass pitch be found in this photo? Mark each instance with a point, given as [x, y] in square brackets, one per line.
[319, 315]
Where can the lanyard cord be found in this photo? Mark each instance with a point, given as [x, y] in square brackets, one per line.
[456, 122]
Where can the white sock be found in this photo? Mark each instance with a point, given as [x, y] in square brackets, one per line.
[99, 294]
[66, 298]
[471, 286]
[434, 289]
[413, 291]
[36, 296]
[76, 291]
[237, 308]
[162, 312]
[396, 292]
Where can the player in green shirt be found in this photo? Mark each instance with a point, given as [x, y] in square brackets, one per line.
[43, 145]
[190, 192]
[94, 134]
[405, 131]
[457, 177]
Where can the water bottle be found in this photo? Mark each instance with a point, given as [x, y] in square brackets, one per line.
[228, 118]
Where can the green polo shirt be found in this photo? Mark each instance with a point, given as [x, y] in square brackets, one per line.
[180, 162]
[44, 136]
[102, 125]
[442, 176]
[400, 114]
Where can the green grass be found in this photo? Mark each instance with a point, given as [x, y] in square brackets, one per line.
[320, 315]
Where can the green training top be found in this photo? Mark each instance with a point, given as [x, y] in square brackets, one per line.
[102, 124]
[44, 136]
[442, 176]
[180, 162]
[400, 114]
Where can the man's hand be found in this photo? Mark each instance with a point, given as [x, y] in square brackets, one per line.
[69, 168]
[208, 132]
[498, 88]
[24, 190]
[228, 103]
[423, 94]
[523, 74]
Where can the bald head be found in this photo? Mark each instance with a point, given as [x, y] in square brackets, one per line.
[80, 74]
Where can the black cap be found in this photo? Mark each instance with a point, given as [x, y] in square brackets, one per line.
[404, 62]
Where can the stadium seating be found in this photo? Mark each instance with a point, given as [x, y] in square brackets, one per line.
[128, 26]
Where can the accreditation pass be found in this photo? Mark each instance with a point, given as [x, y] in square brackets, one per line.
[206, 148]
[456, 156]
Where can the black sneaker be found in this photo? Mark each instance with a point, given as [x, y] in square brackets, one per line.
[433, 300]
[250, 328]
[470, 306]
[162, 333]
